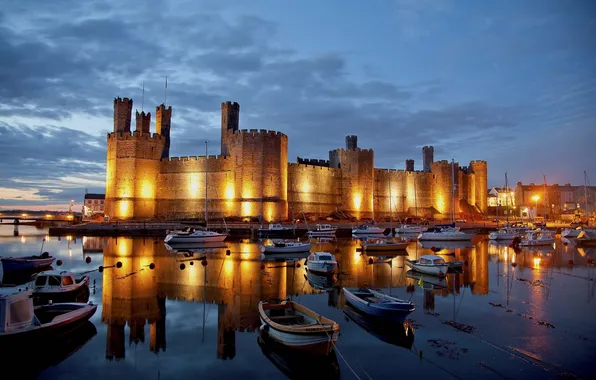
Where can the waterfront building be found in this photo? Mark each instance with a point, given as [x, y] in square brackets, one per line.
[252, 179]
[93, 205]
[562, 202]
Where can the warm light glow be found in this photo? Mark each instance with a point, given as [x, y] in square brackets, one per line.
[48, 215]
[269, 212]
[536, 262]
[124, 246]
[535, 197]
[247, 209]
[69, 217]
[24, 215]
[357, 256]
[23, 240]
[305, 187]
[442, 207]
[228, 269]
[357, 201]
[196, 183]
[230, 191]
[147, 189]
[68, 238]
[124, 208]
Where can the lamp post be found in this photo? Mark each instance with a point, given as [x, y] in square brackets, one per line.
[535, 198]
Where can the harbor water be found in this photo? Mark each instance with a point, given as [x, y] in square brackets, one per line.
[513, 314]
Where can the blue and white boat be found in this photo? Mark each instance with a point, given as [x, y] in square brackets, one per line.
[373, 302]
[27, 262]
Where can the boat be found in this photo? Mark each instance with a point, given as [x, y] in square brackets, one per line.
[195, 247]
[373, 302]
[21, 323]
[323, 230]
[193, 235]
[397, 334]
[27, 262]
[367, 229]
[286, 247]
[439, 245]
[429, 264]
[428, 281]
[505, 233]
[383, 245]
[60, 286]
[537, 237]
[410, 229]
[297, 364]
[586, 238]
[321, 263]
[275, 230]
[571, 232]
[295, 326]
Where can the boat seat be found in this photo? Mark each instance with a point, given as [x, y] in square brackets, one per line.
[287, 319]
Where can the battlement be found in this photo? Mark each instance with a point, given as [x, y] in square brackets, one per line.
[136, 135]
[304, 167]
[342, 150]
[312, 161]
[242, 133]
[119, 100]
[197, 158]
[190, 164]
[230, 104]
[478, 162]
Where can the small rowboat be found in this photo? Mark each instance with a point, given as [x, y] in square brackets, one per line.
[295, 326]
[27, 262]
[375, 303]
[429, 264]
[383, 245]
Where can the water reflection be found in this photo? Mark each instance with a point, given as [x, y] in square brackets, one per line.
[398, 334]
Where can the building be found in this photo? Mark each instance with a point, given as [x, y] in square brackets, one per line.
[252, 178]
[563, 202]
[499, 196]
[93, 205]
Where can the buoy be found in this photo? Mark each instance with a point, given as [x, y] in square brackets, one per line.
[514, 264]
[565, 243]
[59, 262]
[510, 245]
[432, 248]
[336, 250]
[192, 263]
[182, 266]
[100, 269]
[228, 252]
[370, 261]
[588, 260]
[204, 262]
[151, 266]
[119, 264]
[88, 259]
[570, 262]
[297, 265]
[441, 274]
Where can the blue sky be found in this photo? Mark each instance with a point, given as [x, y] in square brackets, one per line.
[509, 82]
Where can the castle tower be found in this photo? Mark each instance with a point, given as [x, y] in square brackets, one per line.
[480, 169]
[351, 142]
[122, 114]
[409, 165]
[230, 117]
[428, 153]
[443, 187]
[143, 122]
[163, 119]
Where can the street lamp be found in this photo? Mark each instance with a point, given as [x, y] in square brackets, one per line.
[535, 198]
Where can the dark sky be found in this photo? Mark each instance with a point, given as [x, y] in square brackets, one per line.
[510, 82]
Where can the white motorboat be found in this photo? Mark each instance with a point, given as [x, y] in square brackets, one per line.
[321, 263]
[505, 233]
[537, 237]
[286, 246]
[571, 232]
[275, 230]
[322, 230]
[429, 264]
[410, 229]
[295, 326]
[367, 229]
[445, 234]
[383, 245]
[192, 235]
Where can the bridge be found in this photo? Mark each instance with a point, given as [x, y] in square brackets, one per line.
[25, 219]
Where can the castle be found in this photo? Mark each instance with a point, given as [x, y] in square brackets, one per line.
[253, 179]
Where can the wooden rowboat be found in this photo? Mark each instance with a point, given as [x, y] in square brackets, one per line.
[372, 302]
[295, 326]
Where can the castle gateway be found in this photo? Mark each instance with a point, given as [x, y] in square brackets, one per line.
[253, 179]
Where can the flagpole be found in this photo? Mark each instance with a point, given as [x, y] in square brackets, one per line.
[165, 92]
[143, 97]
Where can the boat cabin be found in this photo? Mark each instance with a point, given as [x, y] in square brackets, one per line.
[321, 256]
[431, 260]
[16, 309]
[54, 280]
[276, 226]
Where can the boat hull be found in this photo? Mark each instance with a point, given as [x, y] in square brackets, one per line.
[175, 239]
[24, 263]
[317, 343]
[292, 249]
[394, 312]
[570, 233]
[501, 236]
[321, 233]
[275, 233]
[384, 247]
[78, 294]
[410, 230]
[439, 236]
[534, 243]
[322, 267]
[435, 270]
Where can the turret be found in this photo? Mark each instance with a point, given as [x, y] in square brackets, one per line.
[143, 122]
[409, 165]
[230, 117]
[122, 114]
[351, 142]
[428, 153]
[163, 119]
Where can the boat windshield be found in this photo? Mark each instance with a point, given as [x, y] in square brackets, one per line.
[439, 261]
[325, 257]
[41, 280]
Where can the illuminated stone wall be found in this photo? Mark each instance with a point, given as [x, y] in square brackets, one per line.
[313, 189]
[480, 169]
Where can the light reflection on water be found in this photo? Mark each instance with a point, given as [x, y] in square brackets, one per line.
[148, 310]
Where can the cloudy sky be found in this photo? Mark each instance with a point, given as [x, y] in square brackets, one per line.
[510, 82]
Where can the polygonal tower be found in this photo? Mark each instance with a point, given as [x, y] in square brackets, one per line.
[122, 114]
[230, 118]
[143, 122]
[428, 153]
[163, 120]
[480, 169]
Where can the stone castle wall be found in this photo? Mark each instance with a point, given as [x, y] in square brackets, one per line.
[253, 179]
